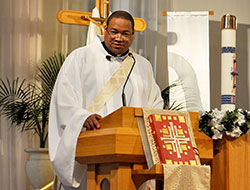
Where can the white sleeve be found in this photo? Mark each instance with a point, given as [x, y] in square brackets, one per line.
[66, 119]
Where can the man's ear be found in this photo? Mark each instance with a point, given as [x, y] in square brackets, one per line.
[105, 27]
[133, 35]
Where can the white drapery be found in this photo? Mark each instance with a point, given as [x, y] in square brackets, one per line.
[15, 60]
[29, 33]
[188, 59]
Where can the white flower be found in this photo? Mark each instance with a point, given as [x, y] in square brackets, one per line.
[241, 118]
[218, 114]
[214, 122]
[217, 134]
[235, 133]
[240, 110]
[219, 127]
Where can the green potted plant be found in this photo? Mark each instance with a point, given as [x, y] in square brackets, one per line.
[26, 106]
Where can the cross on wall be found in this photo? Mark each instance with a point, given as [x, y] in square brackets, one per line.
[84, 18]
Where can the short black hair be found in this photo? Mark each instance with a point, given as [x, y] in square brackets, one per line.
[124, 15]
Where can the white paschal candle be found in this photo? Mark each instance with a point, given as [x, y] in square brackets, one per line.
[228, 62]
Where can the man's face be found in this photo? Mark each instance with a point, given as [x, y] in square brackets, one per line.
[118, 36]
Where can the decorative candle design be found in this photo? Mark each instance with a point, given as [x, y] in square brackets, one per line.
[228, 62]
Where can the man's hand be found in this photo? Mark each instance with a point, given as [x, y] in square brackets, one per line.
[92, 122]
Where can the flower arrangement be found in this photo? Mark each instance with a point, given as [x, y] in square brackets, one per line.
[216, 123]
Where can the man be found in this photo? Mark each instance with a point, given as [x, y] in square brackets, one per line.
[83, 75]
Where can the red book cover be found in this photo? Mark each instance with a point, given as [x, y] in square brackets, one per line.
[172, 139]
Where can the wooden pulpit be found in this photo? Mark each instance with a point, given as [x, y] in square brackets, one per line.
[115, 154]
[231, 164]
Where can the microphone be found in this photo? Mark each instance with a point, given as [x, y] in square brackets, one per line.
[108, 57]
[123, 93]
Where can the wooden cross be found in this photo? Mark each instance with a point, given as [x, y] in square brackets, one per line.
[84, 18]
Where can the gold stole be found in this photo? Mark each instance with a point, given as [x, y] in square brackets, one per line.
[112, 85]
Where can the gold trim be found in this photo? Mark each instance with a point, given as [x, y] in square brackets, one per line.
[47, 187]
[228, 22]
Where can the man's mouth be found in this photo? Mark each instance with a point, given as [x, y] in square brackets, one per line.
[117, 45]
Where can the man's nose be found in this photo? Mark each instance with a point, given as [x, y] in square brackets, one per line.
[119, 36]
